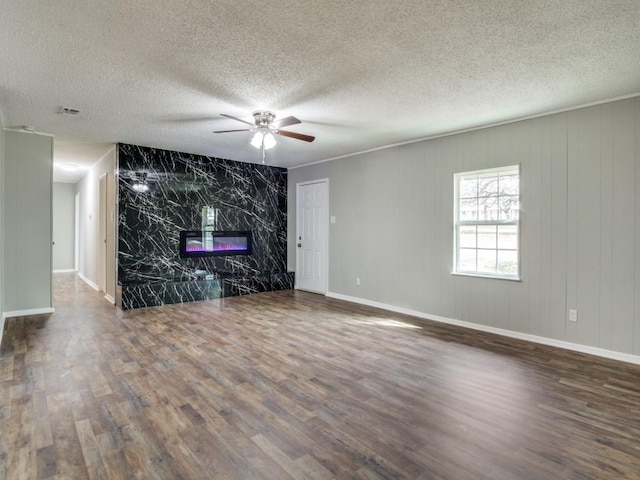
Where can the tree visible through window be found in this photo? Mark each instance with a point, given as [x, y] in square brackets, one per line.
[487, 222]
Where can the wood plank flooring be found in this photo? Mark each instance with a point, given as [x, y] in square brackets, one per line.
[291, 385]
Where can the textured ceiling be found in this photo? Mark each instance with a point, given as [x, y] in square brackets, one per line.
[360, 74]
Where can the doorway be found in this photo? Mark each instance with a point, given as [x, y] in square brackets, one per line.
[312, 205]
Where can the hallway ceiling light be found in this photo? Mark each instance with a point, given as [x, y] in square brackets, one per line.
[69, 167]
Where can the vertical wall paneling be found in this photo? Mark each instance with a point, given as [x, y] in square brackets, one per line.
[448, 161]
[623, 224]
[580, 225]
[545, 159]
[556, 277]
[410, 206]
[570, 333]
[606, 226]
[503, 156]
[516, 294]
[588, 233]
[533, 186]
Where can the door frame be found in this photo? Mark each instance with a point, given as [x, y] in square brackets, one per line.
[325, 181]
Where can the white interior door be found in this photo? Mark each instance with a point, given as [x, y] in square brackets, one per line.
[102, 234]
[312, 236]
[76, 235]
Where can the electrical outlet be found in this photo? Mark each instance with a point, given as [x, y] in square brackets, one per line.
[573, 315]
[357, 280]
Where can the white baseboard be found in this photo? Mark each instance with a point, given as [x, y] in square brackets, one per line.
[600, 352]
[66, 270]
[24, 313]
[88, 282]
[110, 298]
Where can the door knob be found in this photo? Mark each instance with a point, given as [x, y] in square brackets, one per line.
[299, 245]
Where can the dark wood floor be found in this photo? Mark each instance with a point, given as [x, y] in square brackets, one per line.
[291, 385]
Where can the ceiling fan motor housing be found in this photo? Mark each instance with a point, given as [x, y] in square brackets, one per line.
[263, 118]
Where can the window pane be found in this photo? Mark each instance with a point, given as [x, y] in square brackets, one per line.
[487, 236]
[488, 185]
[508, 262]
[509, 185]
[487, 261]
[488, 208]
[509, 207]
[487, 230]
[467, 260]
[468, 187]
[469, 209]
[508, 237]
[467, 237]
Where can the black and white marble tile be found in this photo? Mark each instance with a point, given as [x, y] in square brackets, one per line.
[243, 196]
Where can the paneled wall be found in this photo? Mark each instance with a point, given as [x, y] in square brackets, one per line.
[580, 226]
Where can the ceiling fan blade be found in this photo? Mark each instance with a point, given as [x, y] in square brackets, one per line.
[229, 131]
[299, 136]
[285, 122]
[238, 119]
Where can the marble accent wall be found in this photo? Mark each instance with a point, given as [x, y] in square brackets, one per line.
[194, 192]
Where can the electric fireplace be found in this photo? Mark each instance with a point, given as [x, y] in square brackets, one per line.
[205, 243]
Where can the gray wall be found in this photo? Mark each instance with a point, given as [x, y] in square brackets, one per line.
[1, 228]
[580, 226]
[27, 221]
[89, 216]
[63, 225]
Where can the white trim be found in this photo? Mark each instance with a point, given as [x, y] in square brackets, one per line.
[480, 275]
[29, 132]
[23, 313]
[110, 299]
[88, 282]
[65, 270]
[1, 328]
[473, 129]
[600, 352]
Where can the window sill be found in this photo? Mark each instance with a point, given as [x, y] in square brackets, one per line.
[493, 277]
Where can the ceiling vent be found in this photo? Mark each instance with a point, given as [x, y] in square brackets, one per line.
[69, 112]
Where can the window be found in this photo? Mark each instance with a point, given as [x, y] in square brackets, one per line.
[486, 221]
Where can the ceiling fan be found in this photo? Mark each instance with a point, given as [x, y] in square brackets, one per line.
[265, 128]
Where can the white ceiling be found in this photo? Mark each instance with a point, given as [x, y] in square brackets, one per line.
[359, 74]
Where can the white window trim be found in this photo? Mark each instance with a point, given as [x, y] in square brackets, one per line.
[457, 223]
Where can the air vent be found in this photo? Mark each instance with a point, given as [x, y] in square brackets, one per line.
[70, 112]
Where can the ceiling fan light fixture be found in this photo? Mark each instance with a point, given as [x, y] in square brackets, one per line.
[269, 140]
